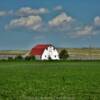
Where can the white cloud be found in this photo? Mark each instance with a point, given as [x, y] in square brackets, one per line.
[91, 29]
[6, 13]
[63, 23]
[28, 10]
[83, 31]
[97, 20]
[3, 13]
[58, 8]
[30, 22]
[39, 37]
[60, 20]
[25, 11]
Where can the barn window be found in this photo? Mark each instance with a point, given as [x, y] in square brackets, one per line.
[45, 56]
[55, 56]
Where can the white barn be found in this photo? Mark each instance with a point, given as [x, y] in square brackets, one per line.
[44, 52]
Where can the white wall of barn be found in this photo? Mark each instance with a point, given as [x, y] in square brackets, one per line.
[50, 52]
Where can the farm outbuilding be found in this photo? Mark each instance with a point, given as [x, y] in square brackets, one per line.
[44, 52]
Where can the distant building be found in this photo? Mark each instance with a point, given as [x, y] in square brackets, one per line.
[44, 52]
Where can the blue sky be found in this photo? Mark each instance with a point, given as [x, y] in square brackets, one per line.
[63, 23]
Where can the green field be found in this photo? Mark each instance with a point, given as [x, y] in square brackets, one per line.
[50, 80]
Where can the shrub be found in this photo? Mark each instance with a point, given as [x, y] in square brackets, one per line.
[30, 58]
[63, 54]
[19, 57]
[10, 58]
[27, 58]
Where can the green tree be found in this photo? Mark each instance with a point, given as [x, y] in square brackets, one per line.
[63, 54]
[10, 58]
[30, 58]
[27, 58]
[19, 57]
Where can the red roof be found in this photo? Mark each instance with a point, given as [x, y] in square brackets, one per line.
[38, 49]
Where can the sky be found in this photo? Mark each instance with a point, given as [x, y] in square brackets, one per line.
[63, 23]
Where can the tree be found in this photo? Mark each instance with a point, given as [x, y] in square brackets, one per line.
[10, 58]
[63, 54]
[19, 57]
[30, 58]
[27, 58]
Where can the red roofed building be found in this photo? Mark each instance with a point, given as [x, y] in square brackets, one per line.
[44, 52]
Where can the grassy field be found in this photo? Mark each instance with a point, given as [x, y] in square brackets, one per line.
[50, 80]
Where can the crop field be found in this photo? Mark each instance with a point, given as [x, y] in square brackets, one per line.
[62, 80]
